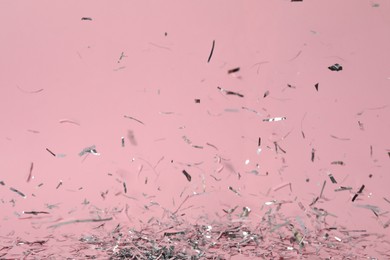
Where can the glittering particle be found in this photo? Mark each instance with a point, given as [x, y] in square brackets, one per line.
[266, 93]
[86, 19]
[274, 119]
[35, 212]
[245, 212]
[234, 190]
[316, 86]
[332, 178]
[335, 67]
[89, 149]
[343, 189]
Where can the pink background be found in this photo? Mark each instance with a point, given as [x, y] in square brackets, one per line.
[76, 64]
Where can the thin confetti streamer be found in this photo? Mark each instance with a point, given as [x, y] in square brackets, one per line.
[228, 92]
[86, 19]
[62, 121]
[30, 92]
[50, 152]
[18, 192]
[211, 52]
[30, 176]
[283, 186]
[124, 187]
[357, 194]
[135, 119]
[340, 138]
[35, 212]
[79, 221]
[322, 189]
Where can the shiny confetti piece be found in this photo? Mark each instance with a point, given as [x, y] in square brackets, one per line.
[335, 67]
[274, 119]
